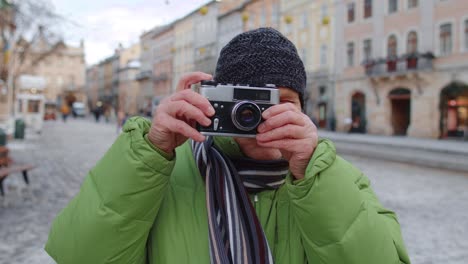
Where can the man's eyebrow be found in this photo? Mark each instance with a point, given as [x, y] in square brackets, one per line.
[287, 96]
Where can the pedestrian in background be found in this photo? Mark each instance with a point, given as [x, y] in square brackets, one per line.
[65, 110]
[164, 193]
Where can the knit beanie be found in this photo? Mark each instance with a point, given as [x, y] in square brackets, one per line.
[262, 56]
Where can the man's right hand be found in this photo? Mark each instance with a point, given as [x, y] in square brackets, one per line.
[176, 116]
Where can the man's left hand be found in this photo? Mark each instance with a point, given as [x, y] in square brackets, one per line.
[292, 132]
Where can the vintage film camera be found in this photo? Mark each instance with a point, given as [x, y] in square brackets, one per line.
[238, 108]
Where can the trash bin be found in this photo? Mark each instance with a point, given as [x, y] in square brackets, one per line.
[19, 128]
[3, 137]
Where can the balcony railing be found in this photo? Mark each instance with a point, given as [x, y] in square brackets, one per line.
[144, 75]
[161, 77]
[403, 65]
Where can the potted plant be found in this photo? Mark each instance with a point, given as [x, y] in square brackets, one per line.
[412, 60]
[392, 63]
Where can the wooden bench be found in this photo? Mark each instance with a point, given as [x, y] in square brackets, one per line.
[8, 166]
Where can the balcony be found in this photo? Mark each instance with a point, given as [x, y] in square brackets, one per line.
[399, 66]
[161, 77]
[144, 75]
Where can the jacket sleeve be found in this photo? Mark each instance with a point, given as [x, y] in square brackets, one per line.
[110, 218]
[339, 216]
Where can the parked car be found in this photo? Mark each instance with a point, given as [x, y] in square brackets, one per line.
[78, 109]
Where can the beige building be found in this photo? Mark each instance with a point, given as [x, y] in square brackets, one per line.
[62, 66]
[129, 89]
[163, 61]
[205, 37]
[92, 85]
[261, 13]
[402, 67]
[231, 19]
[309, 25]
[146, 74]
[184, 37]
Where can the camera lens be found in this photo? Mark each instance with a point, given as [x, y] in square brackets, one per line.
[246, 116]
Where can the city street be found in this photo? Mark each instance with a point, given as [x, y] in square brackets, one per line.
[431, 204]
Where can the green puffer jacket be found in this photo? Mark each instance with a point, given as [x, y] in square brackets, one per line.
[139, 206]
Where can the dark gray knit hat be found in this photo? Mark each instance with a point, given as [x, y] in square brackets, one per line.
[262, 56]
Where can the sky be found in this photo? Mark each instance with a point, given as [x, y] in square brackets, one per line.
[103, 24]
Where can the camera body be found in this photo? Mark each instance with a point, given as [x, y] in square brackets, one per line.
[238, 108]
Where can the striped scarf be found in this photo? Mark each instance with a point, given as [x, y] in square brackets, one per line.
[235, 233]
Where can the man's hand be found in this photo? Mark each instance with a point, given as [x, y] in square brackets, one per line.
[177, 115]
[292, 132]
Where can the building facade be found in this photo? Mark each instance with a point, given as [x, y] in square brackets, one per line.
[402, 67]
[261, 13]
[146, 74]
[309, 25]
[92, 84]
[230, 22]
[184, 37]
[163, 61]
[61, 65]
[205, 38]
[129, 89]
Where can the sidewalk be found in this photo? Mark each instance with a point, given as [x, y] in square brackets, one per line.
[442, 154]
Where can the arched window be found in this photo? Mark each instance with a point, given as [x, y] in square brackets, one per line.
[445, 39]
[412, 44]
[392, 46]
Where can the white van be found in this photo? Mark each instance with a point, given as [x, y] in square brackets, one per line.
[79, 109]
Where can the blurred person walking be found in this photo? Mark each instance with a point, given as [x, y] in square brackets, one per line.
[65, 110]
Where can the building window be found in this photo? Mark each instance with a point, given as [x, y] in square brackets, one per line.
[392, 6]
[412, 3]
[351, 12]
[274, 14]
[322, 90]
[445, 39]
[367, 8]
[263, 18]
[367, 49]
[466, 35]
[304, 20]
[324, 11]
[323, 55]
[304, 56]
[412, 45]
[350, 54]
[392, 46]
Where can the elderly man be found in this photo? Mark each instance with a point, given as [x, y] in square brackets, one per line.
[166, 193]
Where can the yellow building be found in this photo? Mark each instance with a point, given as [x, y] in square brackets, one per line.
[129, 88]
[309, 26]
[61, 66]
[183, 48]
[261, 13]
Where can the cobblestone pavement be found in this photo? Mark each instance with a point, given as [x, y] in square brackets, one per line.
[431, 204]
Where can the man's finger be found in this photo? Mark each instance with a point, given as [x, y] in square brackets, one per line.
[284, 118]
[180, 127]
[195, 99]
[279, 108]
[284, 132]
[188, 111]
[191, 78]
